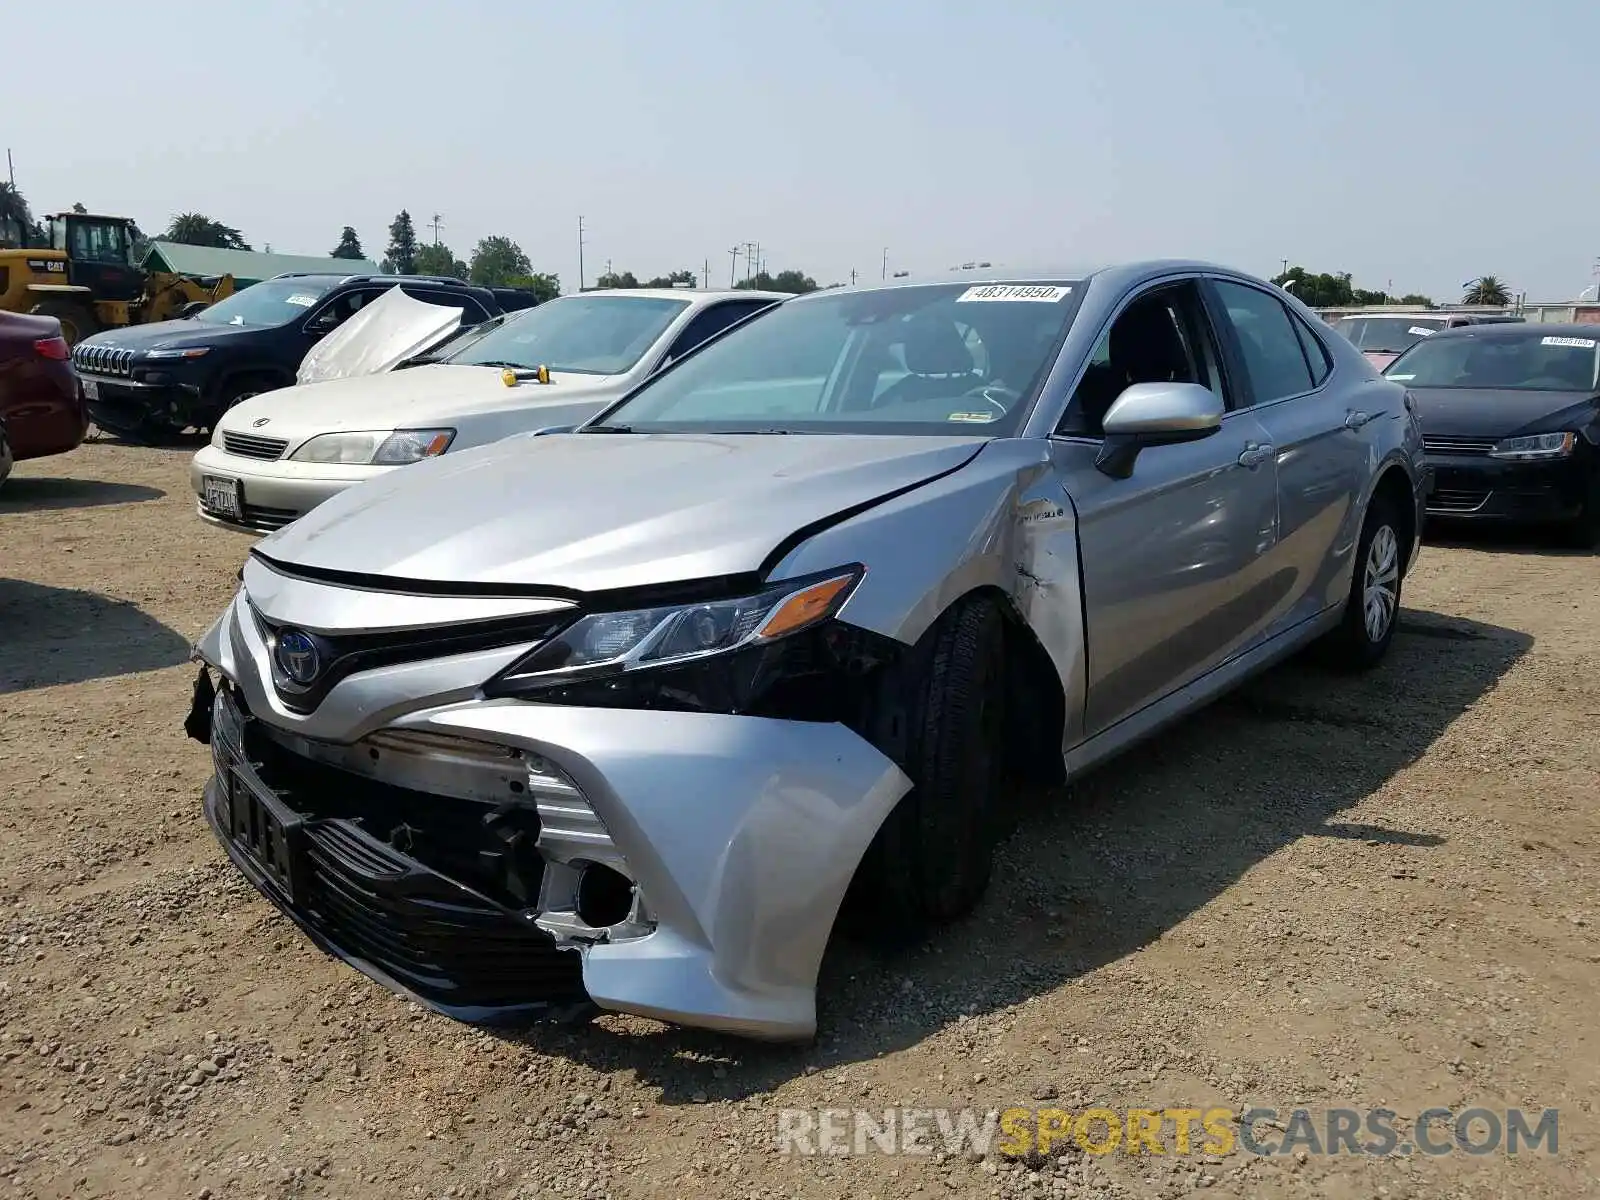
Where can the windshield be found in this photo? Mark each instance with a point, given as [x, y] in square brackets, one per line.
[1388, 335]
[941, 359]
[585, 335]
[272, 302]
[1528, 362]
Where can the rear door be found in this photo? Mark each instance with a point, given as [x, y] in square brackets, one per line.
[1321, 443]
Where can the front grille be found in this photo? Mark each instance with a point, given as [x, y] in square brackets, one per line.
[432, 936]
[1457, 500]
[248, 445]
[254, 516]
[1457, 445]
[102, 360]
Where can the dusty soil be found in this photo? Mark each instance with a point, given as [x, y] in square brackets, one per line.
[1324, 891]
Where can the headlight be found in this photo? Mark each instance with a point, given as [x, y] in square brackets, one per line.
[609, 643]
[1539, 445]
[381, 447]
[413, 445]
[192, 352]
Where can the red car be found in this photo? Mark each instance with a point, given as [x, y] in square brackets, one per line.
[41, 404]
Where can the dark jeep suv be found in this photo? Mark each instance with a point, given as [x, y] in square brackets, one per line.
[159, 379]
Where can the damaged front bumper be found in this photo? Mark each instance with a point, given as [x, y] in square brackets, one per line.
[501, 860]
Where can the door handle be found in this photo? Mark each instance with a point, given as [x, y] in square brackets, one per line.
[1254, 455]
[1355, 420]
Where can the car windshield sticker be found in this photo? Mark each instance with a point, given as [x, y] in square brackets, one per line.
[976, 418]
[1399, 376]
[1013, 291]
[1579, 343]
[301, 300]
[1420, 331]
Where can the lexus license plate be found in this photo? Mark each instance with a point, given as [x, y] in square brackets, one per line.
[222, 496]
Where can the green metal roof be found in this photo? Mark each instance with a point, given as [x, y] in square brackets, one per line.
[246, 266]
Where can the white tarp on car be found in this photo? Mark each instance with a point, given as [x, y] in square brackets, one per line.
[378, 337]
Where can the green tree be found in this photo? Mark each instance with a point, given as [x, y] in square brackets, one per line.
[612, 279]
[1417, 300]
[1363, 296]
[498, 260]
[543, 286]
[677, 277]
[77, 207]
[16, 218]
[349, 245]
[438, 259]
[1318, 291]
[401, 257]
[197, 229]
[1486, 289]
[795, 282]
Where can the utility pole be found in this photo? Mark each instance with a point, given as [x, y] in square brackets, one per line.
[580, 254]
[885, 263]
[438, 224]
[751, 249]
[852, 277]
[10, 169]
[705, 274]
[733, 265]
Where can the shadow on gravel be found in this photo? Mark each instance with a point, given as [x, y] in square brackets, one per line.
[25, 493]
[1132, 850]
[51, 636]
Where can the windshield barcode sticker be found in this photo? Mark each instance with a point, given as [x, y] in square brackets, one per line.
[301, 300]
[1399, 376]
[1577, 343]
[1420, 331]
[1013, 291]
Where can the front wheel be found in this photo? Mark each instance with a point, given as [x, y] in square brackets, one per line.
[1362, 637]
[7, 459]
[77, 320]
[931, 859]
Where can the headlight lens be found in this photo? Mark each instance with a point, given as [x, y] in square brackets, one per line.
[191, 352]
[413, 445]
[381, 448]
[349, 448]
[1539, 445]
[608, 643]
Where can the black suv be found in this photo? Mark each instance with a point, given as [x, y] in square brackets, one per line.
[159, 379]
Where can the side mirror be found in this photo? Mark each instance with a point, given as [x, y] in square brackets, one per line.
[1155, 414]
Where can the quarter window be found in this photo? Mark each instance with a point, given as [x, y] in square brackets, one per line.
[1273, 357]
[1316, 352]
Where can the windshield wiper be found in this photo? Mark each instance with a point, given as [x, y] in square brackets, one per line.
[606, 429]
[500, 362]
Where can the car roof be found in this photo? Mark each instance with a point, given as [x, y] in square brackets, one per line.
[1075, 273]
[1512, 329]
[683, 293]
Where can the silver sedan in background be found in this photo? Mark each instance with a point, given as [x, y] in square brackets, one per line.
[628, 715]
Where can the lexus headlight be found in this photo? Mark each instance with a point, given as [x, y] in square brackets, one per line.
[384, 448]
[609, 643]
[1538, 445]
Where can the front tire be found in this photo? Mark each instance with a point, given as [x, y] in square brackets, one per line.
[7, 458]
[931, 860]
[235, 393]
[1372, 610]
[77, 320]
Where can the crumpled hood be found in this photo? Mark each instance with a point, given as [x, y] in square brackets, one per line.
[591, 512]
[412, 398]
[1489, 413]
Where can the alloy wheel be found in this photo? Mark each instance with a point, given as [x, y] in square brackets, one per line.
[1381, 582]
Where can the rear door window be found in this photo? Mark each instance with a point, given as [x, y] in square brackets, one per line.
[1273, 357]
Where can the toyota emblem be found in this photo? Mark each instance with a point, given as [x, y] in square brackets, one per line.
[297, 657]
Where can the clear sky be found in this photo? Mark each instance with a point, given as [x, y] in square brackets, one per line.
[1423, 143]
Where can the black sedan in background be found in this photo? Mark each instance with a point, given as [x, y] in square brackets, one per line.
[1511, 423]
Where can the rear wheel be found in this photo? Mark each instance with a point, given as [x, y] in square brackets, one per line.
[932, 858]
[77, 320]
[1362, 637]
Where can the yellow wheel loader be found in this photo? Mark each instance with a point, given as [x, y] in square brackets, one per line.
[86, 278]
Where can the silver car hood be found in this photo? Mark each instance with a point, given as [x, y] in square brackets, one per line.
[591, 512]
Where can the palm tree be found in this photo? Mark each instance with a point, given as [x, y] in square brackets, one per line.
[1486, 289]
[197, 229]
[16, 219]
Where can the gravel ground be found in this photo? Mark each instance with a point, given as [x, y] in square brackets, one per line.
[1321, 892]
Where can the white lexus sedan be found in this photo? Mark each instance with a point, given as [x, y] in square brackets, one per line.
[276, 456]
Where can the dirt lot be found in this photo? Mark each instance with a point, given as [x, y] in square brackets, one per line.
[1323, 892]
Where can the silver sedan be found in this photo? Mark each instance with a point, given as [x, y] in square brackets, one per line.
[629, 715]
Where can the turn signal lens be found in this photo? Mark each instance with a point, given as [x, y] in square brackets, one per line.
[802, 608]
